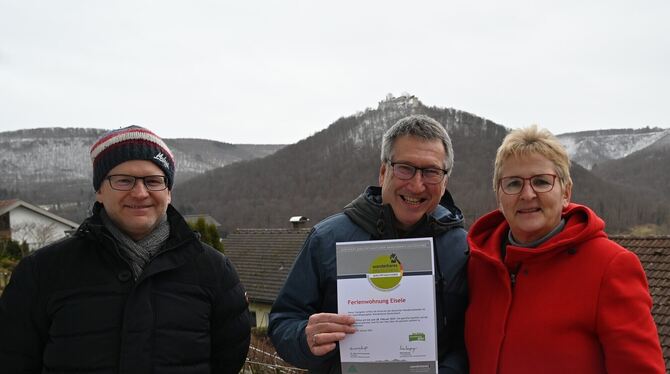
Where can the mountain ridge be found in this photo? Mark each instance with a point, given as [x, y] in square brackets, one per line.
[51, 166]
[318, 175]
[589, 148]
[322, 173]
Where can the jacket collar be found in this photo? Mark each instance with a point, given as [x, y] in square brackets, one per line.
[180, 232]
[489, 233]
[378, 219]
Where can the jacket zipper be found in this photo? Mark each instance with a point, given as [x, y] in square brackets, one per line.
[136, 282]
[513, 275]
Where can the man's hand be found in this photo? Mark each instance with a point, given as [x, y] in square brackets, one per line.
[323, 330]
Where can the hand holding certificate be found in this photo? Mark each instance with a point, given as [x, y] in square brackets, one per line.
[388, 287]
[324, 329]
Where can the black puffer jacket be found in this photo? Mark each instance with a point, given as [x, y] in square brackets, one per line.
[73, 307]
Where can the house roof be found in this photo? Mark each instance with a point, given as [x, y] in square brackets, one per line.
[6, 203]
[263, 258]
[654, 253]
[9, 205]
[193, 218]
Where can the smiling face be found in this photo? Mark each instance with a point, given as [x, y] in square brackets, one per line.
[411, 199]
[531, 215]
[135, 212]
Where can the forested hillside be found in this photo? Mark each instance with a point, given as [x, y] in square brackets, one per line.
[319, 175]
[252, 186]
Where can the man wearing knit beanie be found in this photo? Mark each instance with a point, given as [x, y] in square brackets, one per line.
[134, 290]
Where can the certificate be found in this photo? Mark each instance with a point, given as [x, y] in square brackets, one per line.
[388, 286]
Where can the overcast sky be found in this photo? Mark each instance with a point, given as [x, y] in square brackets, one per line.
[279, 71]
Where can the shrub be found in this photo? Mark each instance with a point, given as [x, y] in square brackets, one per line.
[208, 233]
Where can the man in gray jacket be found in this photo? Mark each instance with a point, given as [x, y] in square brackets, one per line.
[413, 201]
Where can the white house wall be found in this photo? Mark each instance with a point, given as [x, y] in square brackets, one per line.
[262, 313]
[21, 217]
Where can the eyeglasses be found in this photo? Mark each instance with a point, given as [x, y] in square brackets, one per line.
[122, 182]
[540, 183]
[429, 175]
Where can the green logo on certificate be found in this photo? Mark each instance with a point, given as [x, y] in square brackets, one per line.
[417, 337]
[385, 272]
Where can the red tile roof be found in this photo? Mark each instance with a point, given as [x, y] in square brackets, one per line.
[654, 253]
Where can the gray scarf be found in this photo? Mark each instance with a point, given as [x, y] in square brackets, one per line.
[140, 252]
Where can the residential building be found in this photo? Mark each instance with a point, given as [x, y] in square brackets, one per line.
[22, 221]
[263, 258]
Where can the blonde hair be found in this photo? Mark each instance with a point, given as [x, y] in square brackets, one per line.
[533, 140]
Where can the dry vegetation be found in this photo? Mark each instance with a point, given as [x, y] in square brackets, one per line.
[262, 357]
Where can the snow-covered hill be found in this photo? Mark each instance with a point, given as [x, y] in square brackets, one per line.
[50, 154]
[320, 174]
[51, 166]
[589, 148]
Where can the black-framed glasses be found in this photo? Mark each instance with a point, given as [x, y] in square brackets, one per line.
[121, 182]
[540, 183]
[429, 175]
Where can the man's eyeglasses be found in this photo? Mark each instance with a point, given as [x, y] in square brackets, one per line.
[122, 182]
[429, 175]
[539, 183]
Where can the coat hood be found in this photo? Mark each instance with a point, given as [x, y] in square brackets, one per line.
[378, 220]
[488, 233]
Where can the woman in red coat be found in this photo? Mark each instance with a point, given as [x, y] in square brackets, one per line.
[549, 292]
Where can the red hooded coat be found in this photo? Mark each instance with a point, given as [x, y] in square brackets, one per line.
[578, 303]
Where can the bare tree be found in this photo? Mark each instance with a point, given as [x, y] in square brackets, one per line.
[36, 234]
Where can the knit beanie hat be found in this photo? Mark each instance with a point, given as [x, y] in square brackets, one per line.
[127, 144]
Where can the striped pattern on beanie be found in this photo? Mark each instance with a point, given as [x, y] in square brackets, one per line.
[127, 144]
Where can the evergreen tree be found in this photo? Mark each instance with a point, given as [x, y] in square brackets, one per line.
[12, 249]
[208, 233]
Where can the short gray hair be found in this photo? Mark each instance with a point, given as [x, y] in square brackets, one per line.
[420, 126]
